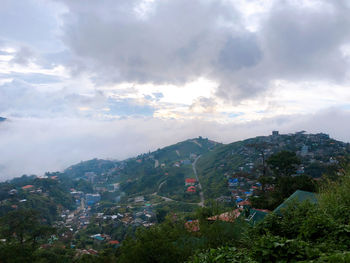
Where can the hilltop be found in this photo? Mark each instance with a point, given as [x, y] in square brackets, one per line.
[243, 159]
[162, 171]
[97, 204]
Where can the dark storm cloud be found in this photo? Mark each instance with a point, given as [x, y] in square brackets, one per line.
[177, 41]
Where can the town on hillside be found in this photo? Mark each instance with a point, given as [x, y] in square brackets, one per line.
[98, 203]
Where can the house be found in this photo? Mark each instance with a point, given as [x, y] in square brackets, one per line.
[253, 215]
[192, 225]
[225, 199]
[190, 181]
[114, 243]
[29, 186]
[139, 199]
[91, 199]
[186, 162]
[226, 217]
[298, 196]
[98, 237]
[13, 192]
[244, 204]
[275, 133]
[191, 189]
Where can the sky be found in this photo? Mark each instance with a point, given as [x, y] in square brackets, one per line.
[111, 79]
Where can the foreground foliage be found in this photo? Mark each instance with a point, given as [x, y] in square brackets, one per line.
[305, 233]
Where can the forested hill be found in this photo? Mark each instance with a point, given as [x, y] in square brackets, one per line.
[45, 195]
[164, 169]
[141, 208]
[317, 153]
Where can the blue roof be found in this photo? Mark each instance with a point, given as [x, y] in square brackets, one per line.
[239, 200]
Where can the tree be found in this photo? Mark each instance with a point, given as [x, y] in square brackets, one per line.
[24, 226]
[283, 163]
[260, 148]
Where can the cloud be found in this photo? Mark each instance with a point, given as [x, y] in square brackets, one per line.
[33, 23]
[23, 99]
[304, 42]
[35, 145]
[19, 98]
[78, 75]
[177, 41]
[127, 107]
[23, 56]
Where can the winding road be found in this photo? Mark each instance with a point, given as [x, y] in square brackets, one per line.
[201, 195]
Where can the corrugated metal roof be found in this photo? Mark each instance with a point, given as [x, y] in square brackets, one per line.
[299, 196]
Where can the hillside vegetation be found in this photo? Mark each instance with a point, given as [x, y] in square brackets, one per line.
[138, 210]
[317, 153]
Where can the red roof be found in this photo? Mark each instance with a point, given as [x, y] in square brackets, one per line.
[192, 225]
[246, 202]
[114, 242]
[191, 189]
[190, 180]
[27, 186]
[227, 217]
[93, 251]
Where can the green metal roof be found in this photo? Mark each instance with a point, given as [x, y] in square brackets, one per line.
[299, 196]
[254, 216]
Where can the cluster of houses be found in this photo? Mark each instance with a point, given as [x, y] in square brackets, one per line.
[246, 212]
[190, 185]
[242, 188]
[311, 148]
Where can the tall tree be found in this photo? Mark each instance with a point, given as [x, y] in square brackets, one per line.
[284, 163]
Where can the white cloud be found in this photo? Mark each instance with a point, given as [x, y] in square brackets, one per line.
[39, 145]
[165, 70]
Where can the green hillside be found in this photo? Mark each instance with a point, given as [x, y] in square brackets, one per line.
[318, 153]
[184, 149]
[164, 170]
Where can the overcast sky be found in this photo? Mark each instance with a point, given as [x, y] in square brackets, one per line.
[114, 78]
